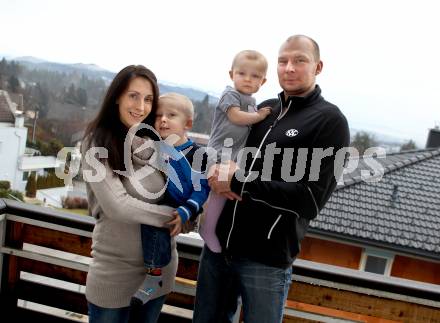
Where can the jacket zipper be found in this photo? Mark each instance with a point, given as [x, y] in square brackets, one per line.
[281, 115]
[272, 206]
[273, 226]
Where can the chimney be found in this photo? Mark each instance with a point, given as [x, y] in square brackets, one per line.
[20, 102]
[433, 138]
[19, 119]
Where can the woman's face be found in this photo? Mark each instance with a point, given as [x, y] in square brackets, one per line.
[135, 102]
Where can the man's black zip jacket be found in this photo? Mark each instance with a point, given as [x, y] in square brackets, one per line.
[269, 223]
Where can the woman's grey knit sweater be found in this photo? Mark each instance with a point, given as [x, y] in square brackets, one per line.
[117, 268]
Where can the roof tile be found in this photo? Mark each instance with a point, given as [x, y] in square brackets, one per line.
[402, 209]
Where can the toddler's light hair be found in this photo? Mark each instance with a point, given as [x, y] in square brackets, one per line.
[252, 55]
[181, 101]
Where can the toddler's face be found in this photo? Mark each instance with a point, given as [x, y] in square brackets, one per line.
[247, 76]
[170, 119]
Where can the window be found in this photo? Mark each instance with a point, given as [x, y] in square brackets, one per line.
[377, 261]
[25, 176]
[375, 264]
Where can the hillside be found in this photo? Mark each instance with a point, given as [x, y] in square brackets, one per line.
[68, 96]
[96, 72]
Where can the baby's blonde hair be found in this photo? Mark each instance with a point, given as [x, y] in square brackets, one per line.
[181, 101]
[251, 55]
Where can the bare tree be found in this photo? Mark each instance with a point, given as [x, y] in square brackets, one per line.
[362, 141]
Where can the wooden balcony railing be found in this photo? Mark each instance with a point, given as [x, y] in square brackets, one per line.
[44, 257]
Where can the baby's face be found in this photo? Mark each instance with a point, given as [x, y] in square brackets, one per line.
[247, 76]
[170, 119]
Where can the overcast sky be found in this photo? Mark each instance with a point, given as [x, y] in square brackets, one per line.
[380, 56]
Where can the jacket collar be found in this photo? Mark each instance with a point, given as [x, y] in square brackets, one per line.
[300, 101]
[184, 145]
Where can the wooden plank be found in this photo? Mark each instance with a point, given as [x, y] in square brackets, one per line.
[14, 234]
[335, 313]
[180, 300]
[416, 269]
[186, 282]
[13, 272]
[167, 318]
[10, 276]
[188, 268]
[50, 296]
[322, 251]
[57, 240]
[362, 304]
[287, 319]
[52, 271]
[24, 315]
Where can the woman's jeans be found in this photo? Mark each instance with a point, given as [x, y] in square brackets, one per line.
[148, 313]
[263, 289]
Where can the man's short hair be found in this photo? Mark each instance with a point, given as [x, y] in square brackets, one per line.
[316, 51]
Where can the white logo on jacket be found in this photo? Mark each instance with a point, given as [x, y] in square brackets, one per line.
[291, 132]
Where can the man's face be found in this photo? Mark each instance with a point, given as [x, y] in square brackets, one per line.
[297, 67]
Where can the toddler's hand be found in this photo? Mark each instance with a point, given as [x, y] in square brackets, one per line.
[189, 226]
[175, 224]
[264, 112]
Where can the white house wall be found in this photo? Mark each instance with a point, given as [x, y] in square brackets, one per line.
[12, 146]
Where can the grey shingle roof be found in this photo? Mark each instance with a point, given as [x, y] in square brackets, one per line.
[401, 211]
[6, 114]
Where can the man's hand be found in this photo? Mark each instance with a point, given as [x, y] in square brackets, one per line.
[175, 224]
[219, 179]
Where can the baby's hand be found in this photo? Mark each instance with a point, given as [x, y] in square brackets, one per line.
[264, 112]
[175, 224]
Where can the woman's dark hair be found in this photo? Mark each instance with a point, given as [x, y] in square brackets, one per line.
[107, 130]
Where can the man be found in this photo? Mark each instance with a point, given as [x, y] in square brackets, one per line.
[293, 171]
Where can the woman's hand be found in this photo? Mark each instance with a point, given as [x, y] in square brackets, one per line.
[175, 224]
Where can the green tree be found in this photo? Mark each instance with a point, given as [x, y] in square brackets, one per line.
[7, 194]
[3, 66]
[5, 185]
[31, 185]
[14, 68]
[362, 141]
[203, 115]
[409, 145]
[14, 84]
[49, 180]
[55, 146]
[70, 96]
[81, 96]
[49, 149]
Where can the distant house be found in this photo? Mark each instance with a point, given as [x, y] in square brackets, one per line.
[390, 227]
[12, 142]
[16, 162]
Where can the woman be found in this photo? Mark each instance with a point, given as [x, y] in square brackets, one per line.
[117, 268]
